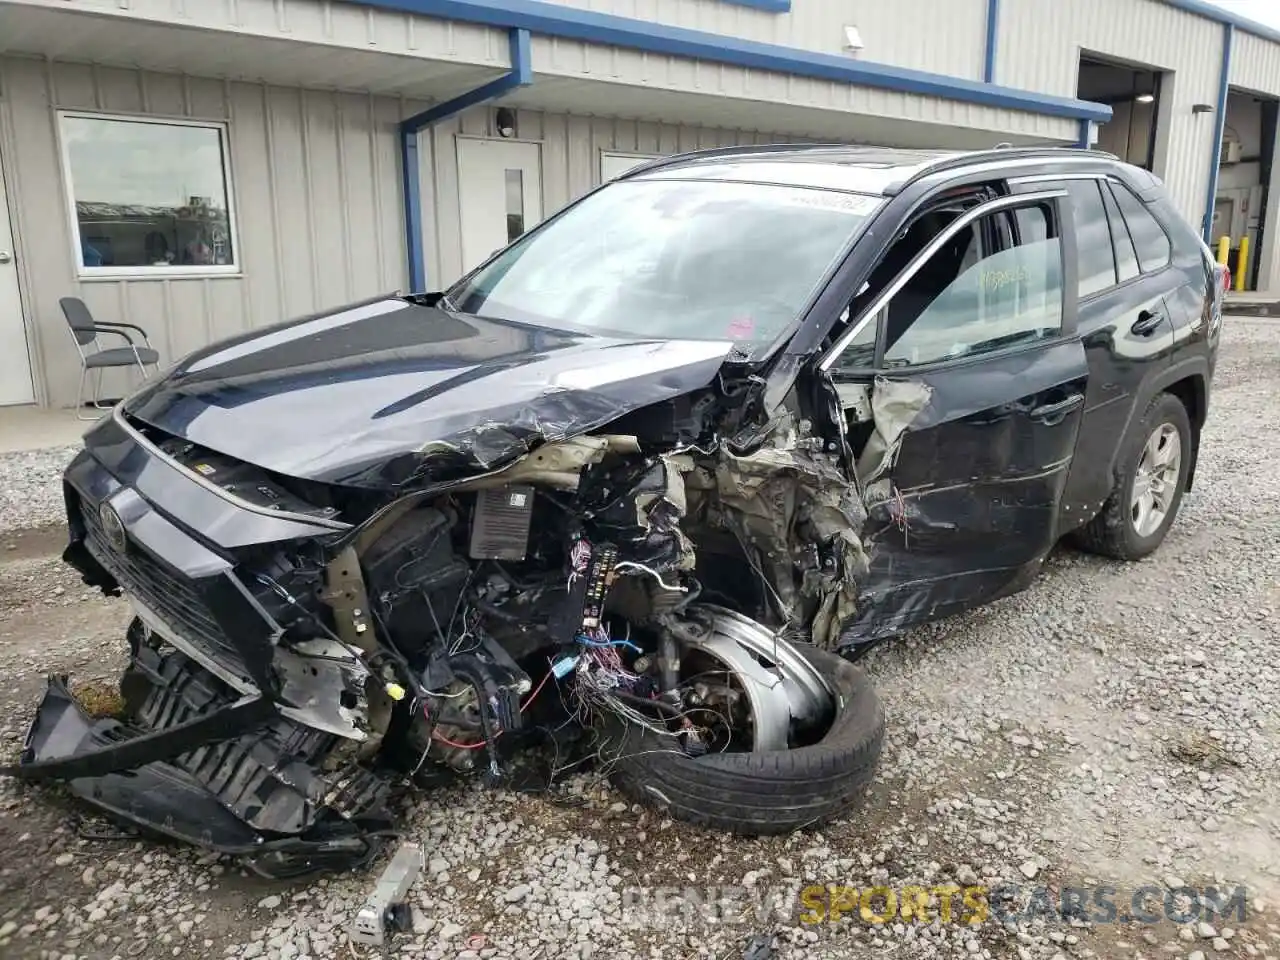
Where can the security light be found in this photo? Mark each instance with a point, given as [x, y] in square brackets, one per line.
[852, 39]
[505, 121]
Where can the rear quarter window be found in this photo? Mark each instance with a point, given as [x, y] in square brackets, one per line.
[1126, 255]
[1149, 239]
[1096, 263]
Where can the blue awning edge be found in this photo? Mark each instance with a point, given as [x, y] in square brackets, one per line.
[566, 22]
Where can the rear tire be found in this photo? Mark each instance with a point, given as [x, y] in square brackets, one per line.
[758, 794]
[1115, 532]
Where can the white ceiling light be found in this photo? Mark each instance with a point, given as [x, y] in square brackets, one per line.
[852, 39]
[1145, 98]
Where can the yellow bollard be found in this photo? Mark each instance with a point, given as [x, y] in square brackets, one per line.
[1242, 262]
[1224, 249]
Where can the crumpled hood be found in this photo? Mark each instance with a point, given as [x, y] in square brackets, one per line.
[389, 394]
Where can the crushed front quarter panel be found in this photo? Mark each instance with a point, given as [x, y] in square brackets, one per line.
[790, 506]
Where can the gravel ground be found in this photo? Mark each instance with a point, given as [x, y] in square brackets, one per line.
[1115, 724]
[30, 492]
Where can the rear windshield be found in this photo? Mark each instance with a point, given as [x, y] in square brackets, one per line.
[699, 260]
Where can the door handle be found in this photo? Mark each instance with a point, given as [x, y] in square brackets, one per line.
[1052, 413]
[1146, 323]
[5, 256]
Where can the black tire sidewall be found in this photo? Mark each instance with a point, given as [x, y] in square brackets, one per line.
[758, 793]
[1164, 409]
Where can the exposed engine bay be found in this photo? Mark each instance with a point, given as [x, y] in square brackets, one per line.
[601, 583]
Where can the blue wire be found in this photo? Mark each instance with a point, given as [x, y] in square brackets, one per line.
[588, 642]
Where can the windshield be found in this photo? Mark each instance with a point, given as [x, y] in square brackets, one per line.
[700, 260]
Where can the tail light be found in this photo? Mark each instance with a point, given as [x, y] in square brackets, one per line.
[1226, 278]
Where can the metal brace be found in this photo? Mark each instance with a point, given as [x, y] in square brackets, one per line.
[385, 912]
[345, 594]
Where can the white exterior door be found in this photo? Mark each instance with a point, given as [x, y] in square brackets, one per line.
[15, 364]
[499, 194]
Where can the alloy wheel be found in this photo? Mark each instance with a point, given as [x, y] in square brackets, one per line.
[1155, 481]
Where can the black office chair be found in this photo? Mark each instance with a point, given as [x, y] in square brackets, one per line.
[85, 330]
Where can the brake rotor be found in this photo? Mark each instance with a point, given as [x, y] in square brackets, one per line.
[780, 685]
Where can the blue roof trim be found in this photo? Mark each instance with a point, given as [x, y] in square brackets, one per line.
[1213, 12]
[586, 25]
[521, 75]
[1220, 119]
[1086, 134]
[773, 6]
[993, 41]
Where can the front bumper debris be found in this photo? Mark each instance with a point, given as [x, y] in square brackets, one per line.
[199, 764]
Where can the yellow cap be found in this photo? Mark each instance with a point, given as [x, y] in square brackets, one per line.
[395, 691]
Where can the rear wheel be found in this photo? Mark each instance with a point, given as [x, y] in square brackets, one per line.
[1151, 479]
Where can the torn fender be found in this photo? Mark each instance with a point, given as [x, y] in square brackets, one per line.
[794, 511]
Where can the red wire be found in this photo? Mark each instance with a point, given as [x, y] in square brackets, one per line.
[476, 746]
[461, 746]
[524, 706]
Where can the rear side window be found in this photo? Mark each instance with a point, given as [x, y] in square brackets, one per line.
[1149, 238]
[1096, 261]
[1126, 256]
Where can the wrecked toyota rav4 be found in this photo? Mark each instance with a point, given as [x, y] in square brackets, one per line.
[656, 472]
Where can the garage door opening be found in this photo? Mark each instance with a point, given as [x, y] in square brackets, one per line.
[1133, 93]
[1244, 181]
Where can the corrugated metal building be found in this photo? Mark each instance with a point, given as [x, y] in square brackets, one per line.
[199, 167]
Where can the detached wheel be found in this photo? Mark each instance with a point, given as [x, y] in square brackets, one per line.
[1152, 478]
[758, 793]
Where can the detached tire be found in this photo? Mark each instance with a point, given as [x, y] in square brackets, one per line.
[758, 794]
[1116, 531]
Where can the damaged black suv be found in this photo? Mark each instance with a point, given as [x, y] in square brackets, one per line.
[637, 489]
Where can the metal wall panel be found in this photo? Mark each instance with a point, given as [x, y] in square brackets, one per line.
[317, 197]
[1255, 64]
[1040, 45]
[322, 23]
[952, 44]
[748, 92]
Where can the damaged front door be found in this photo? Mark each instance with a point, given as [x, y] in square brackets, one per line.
[963, 408]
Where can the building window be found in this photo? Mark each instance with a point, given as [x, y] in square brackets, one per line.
[515, 204]
[148, 197]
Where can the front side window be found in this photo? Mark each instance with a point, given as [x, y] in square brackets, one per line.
[977, 295]
[682, 259]
[148, 197]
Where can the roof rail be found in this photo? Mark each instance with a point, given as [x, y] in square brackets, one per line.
[997, 155]
[938, 164]
[711, 152]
